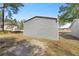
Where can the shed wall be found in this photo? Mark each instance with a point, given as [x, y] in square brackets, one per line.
[41, 27]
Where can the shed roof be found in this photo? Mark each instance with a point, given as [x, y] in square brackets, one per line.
[42, 17]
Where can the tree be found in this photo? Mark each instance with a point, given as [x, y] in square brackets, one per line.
[68, 12]
[21, 25]
[11, 21]
[14, 21]
[11, 8]
[0, 15]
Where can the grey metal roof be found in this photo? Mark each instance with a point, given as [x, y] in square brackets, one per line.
[41, 17]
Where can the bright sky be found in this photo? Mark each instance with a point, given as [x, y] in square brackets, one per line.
[38, 9]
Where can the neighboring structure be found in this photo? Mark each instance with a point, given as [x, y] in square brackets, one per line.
[75, 28]
[9, 27]
[42, 27]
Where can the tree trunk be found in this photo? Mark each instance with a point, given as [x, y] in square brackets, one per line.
[3, 18]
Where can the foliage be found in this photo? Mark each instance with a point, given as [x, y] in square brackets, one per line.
[0, 15]
[11, 21]
[68, 12]
[14, 21]
[21, 26]
[11, 8]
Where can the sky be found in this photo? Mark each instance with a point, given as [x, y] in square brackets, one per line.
[37, 9]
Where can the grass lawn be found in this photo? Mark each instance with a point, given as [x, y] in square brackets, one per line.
[67, 45]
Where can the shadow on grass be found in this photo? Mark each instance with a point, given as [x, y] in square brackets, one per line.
[67, 36]
[6, 43]
[11, 47]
